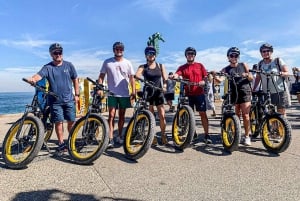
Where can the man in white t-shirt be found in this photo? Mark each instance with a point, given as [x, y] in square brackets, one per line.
[120, 74]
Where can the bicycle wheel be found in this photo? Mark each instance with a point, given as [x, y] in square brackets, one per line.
[276, 133]
[18, 153]
[88, 139]
[48, 129]
[139, 135]
[183, 127]
[231, 132]
[254, 122]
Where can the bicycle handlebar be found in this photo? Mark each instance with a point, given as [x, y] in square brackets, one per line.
[265, 73]
[187, 82]
[99, 86]
[40, 88]
[148, 83]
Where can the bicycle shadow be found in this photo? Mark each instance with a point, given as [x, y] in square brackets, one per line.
[115, 154]
[168, 148]
[45, 195]
[217, 149]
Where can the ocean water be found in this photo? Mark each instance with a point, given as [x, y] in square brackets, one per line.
[14, 102]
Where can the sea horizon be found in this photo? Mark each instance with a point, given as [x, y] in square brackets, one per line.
[14, 102]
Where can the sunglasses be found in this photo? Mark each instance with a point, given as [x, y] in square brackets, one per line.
[150, 54]
[264, 51]
[57, 53]
[190, 53]
[233, 56]
[119, 49]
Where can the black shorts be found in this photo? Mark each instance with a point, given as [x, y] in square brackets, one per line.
[169, 96]
[157, 98]
[243, 96]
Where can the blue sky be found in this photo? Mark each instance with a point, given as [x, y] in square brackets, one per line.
[88, 28]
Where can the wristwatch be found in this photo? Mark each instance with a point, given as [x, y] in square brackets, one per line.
[77, 95]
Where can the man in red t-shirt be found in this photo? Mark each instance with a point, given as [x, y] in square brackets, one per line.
[195, 72]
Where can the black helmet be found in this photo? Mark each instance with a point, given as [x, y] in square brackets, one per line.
[190, 49]
[150, 50]
[55, 46]
[233, 50]
[118, 44]
[266, 46]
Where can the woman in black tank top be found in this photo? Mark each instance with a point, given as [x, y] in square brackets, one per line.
[241, 93]
[156, 73]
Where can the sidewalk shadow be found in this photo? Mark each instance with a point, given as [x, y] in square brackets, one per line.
[45, 195]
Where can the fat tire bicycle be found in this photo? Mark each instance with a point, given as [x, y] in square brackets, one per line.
[273, 127]
[184, 122]
[28, 134]
[88, 137]
[230, 122]
[140, 130]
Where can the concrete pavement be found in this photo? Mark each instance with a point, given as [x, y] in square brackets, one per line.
[201, 172]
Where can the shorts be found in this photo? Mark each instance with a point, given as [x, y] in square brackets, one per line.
[119, 102]
[199, 102]
[63, 111]
[280, 99]
[244, 96]
[157, 99]
[169, 96]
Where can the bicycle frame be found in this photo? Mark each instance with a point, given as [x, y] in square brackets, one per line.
[34, 108]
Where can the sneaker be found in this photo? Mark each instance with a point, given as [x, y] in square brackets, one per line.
[247, 141]
[154, 142]
[110, 144]
[207, 139]
[61, 148]
[164, 139]
[119, 140]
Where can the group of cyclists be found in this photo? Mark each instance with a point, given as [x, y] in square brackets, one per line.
[120, 75]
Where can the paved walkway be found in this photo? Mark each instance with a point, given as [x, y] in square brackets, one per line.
[201, 172]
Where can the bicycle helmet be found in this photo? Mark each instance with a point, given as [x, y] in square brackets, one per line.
[150, 50]
[233, 50]
[266, 46]
[190, 49]
[118, 44]
[55, 46]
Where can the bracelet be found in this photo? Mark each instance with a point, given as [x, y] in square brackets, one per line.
[77, 95]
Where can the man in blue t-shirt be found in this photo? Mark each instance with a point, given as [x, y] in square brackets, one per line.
[60, 75]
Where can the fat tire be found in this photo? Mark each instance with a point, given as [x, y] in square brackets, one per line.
[233, 146]
[100, 149]
[254, 124]
[148, 138]
[185, 109]
[286, 138]
[35, 148]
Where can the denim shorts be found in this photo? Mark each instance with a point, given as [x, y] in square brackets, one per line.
[198, 102]
[63, 111]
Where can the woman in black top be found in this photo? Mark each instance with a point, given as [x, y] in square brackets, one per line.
[156, 73]
[241, 92]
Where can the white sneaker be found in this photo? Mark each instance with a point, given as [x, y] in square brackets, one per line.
[119, 140]
[247, 141]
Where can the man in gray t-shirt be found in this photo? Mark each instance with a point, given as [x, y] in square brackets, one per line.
[119, 73]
